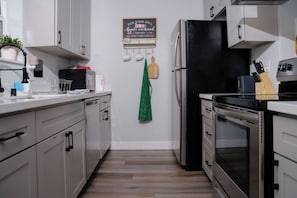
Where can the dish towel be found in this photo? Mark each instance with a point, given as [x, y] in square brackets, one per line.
[145, 109]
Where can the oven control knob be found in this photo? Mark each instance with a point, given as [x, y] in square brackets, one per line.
[289, 67]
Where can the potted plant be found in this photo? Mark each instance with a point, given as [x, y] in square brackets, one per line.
[9, 52]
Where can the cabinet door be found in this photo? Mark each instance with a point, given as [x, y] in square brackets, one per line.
[235, 24]
[285, 177]
[51, 170]
[18, 175]
[64, 24]
[75, 160]
[76, 25]
[85, 44]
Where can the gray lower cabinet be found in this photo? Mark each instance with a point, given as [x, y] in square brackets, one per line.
[61, 163]
[61, 150]
[207, 138]
[18, 176]
[284, 146]
[105, 130]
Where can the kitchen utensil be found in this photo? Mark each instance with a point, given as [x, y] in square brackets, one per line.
[153, 69]
[259, 67]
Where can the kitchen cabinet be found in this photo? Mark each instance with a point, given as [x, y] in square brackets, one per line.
[207, 138]
[18, 176]
[213, 7]
[61, 150]
[249, 26]
[56, 27]
[285, 157]
[81, 23]
[105, 124]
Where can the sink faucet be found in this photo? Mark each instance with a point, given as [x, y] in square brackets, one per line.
[25, 73]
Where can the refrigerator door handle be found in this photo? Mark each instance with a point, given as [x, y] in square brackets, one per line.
[178, 95]
[175, 48]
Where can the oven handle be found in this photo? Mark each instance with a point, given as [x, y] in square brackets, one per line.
[238, 115]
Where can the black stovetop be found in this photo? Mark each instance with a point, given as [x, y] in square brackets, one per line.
[254, 101]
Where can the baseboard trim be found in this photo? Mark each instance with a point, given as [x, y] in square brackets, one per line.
[141, 145]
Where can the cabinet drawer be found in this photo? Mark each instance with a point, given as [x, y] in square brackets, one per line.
[17, 132]
[207, 161]
[105, 101]
[208, 132]
[53, 120]
[206, 108]
[285, 136]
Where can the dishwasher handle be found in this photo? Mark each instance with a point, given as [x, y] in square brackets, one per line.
[91, 102]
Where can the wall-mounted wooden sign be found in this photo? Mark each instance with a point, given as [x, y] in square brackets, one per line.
[140, 28]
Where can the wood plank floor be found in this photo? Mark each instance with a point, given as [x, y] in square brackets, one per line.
[149, 174]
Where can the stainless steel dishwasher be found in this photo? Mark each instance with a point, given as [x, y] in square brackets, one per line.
[92, 109]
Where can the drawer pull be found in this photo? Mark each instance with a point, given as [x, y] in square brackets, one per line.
[207, 163]
[207, 110]
[17, 134]
[275, 186]
[208, 133]
[275, 163]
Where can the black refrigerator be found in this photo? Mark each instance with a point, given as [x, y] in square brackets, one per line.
[201, 63]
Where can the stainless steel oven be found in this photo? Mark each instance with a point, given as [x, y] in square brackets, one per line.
[239, 151]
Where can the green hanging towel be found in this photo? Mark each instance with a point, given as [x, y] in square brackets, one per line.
[145, 109]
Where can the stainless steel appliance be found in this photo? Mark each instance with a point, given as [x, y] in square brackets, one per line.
[201, 63]
[239, 151]
[81, 78]
[258, 2]
[244, 144]
[93, 148]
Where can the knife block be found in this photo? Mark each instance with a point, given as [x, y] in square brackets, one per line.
[265, 86]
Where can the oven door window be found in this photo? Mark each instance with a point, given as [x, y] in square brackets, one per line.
[232, 151]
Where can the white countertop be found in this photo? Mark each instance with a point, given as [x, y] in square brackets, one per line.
[288, 107]
[21, 104]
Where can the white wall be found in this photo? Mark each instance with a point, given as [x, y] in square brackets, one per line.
[284, 48]
[125, 78]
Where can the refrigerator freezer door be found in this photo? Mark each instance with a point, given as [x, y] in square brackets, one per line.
[178, 95]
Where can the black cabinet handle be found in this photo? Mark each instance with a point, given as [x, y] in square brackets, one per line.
[106, 115]
[238, 29]
[275, 162]
[211, 11]
[67, 142]
[275, 186]
[207, 163]
[208, 133]
[71, 140]
[17, 134]
[60, 37]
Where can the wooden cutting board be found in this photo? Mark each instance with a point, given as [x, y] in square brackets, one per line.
[153, 69]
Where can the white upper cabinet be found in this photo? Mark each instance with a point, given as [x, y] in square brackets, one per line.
[214, 7]
[250, 26]
[56, 27]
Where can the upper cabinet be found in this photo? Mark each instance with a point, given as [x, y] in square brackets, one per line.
[59, 27]
[250, 26]
[214, 7]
